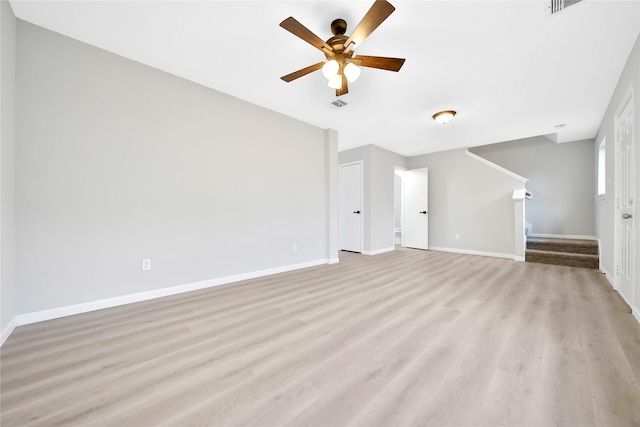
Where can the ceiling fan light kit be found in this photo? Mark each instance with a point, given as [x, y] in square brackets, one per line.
[330, 69]
[444, 117]
[335, 81]
[342, 67]
[352, 72]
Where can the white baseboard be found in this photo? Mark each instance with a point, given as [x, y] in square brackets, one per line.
[635, 312]
[333, 261]
[624, 298]
[563, 236]
[607, 276]
[8, 330]
[470, 252]
[55, 313]
[378, 251]
[518, 258]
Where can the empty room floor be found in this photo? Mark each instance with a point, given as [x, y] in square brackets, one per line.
[405, 338]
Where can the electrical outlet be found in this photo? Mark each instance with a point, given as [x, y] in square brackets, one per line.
[146, 264]
[295, 247]
[457, 237]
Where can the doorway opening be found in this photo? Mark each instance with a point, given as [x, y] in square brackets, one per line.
[398, 204]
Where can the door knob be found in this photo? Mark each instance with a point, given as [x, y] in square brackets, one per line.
[627, 216]
[423, 212]
[356, 212]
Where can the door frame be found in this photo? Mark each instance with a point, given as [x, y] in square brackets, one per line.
[393, 223]
[340, 166]
[627, 100]
[404, 208]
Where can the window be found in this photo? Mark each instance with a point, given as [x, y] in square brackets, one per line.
[602, 176]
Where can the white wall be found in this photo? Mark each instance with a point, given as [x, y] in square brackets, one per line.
[561, 180]
[116, 162]
[7, 167]
[378, 188]
[605, 207]
[469, 198]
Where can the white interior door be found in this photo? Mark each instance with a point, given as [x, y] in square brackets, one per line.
[415, 229]
[625, 190]
[350, 221]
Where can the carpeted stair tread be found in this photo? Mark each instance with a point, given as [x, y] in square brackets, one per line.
[576, 246]
[562, 258]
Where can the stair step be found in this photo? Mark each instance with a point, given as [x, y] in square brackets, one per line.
[562, 258]
[575, 246]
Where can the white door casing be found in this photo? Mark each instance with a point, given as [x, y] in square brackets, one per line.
[398, 203]
[625, 191]
[415, 228]
[350, 206]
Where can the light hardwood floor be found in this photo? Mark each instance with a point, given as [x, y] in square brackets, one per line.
[406, 338]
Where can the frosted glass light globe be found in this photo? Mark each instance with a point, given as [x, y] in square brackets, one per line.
[330, 69]
[335, 82]
[352, 72]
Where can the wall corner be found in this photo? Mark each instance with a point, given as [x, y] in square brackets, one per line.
[332, 164]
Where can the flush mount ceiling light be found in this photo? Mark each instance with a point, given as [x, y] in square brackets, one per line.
[342, 67]
[444, 117]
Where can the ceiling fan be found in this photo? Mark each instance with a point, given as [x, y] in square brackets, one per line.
[341, 66]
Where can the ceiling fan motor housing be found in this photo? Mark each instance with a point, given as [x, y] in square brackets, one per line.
[338, 27]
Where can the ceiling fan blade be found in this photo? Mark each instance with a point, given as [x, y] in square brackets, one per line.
[345, 87]
[380, 10]
[296, 28]
[391, 64]
[303, 72]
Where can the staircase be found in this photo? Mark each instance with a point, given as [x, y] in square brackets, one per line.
[569, 252]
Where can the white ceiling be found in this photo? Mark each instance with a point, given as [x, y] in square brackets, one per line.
[509, 68]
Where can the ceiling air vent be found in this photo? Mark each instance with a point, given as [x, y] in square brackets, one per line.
[556, 6]
[338, 103]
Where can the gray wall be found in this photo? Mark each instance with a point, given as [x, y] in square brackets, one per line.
[605, 207]
[466, 197]
[397, 201]
[382, 196]
[331, 194]
[7, 160]
[116, 162]
[561, 180]
[469, 198]
[378, 188]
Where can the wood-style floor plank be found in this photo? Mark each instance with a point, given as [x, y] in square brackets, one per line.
[406, 338]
